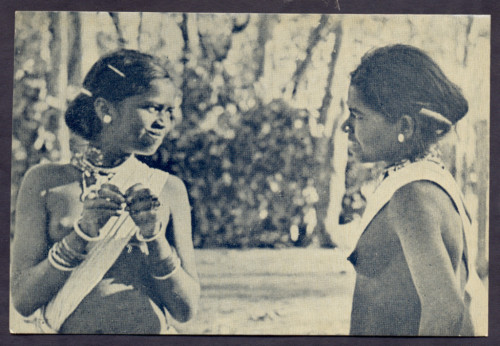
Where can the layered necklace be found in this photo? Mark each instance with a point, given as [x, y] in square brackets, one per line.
[94, 175]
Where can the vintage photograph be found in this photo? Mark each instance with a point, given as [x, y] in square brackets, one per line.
[250, 174]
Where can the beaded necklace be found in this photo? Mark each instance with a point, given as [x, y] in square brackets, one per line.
[432, 155]
[94, 175]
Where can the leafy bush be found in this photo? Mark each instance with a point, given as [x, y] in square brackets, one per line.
[247, 190]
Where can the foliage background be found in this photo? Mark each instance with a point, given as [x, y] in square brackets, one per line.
[258, 140]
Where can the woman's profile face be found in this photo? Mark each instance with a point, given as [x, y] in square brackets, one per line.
[143, 120]
[372, 137]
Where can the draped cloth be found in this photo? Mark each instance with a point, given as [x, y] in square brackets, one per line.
[102, 254]
[475, 291]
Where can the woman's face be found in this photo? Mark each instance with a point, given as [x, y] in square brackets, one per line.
[143, 120]
[372, 137]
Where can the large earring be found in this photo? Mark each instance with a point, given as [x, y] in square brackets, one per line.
[401, 138]
[107, 119]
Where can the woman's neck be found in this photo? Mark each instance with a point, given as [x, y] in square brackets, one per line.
[431, 154]
[104, 158]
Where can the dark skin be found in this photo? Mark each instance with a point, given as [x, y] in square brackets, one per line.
[49, 202]
[421, 226]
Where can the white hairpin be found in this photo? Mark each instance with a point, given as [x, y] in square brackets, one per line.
[86, 92]
[117, 71]
[435, 115]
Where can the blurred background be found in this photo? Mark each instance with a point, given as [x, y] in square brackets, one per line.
[257, 139]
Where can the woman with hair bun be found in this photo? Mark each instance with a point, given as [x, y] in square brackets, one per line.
[103, 244]
[411, 261]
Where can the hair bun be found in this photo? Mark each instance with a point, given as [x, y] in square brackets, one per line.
[81, 118]
[114, 77]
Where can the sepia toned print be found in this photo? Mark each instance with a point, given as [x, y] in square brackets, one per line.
[298, 174]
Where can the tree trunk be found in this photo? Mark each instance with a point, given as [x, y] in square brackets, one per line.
[183, 26]
[324, 148]
[75, 52]
[58, 80]
[116, 21]
[263, 36]
[139, 31]
[314, 38]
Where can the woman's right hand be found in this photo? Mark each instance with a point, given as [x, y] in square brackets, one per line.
[99, 207]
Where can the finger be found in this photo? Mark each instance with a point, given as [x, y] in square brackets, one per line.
[111, 187]
[144, 205]
[133, 188]
[144, 218]
[140, 195]
[96, 218]
[111, 195]
[101, 203]
[151, 229]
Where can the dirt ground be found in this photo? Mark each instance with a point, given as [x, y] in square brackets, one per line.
[268, 292]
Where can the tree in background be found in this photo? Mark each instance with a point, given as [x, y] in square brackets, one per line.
[257, 139]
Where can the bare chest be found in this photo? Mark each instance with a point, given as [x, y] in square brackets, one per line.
[63, 209]
[378, 248]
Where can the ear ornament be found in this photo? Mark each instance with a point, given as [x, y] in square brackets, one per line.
[107, 119]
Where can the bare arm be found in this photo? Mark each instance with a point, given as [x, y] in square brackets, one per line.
[180, 292]
[33, 280]
[420, 215]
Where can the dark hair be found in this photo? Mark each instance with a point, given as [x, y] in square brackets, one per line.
[401, 79]
[114, 77]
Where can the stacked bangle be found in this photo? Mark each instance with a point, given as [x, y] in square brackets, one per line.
[172, 263]
[63, 257]
[81, 234]
[79, 256]
[155, 236]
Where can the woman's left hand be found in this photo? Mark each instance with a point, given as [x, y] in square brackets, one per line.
[143, 208]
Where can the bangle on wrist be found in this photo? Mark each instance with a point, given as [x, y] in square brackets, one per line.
[72, 252]
[81, 234]
[173, 263]
[58, 266]
[155, 236]
[56, 260]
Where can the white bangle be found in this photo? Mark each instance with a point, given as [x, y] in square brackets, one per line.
[165, 277]
[81, 234]
[141, 238]
[77, 255]
[56, 265]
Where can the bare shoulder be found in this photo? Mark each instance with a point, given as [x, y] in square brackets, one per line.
[175, 185]
[421, 192]
[422, 204]
[174, 191]
[48, 175]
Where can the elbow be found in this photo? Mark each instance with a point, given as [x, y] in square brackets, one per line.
[191, 310]
[185, 313]
[24, 311]
[187, 309]
[21, 300]
[22, 306]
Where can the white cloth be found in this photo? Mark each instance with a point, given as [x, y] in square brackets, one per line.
[430, 171]
[103, 254]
